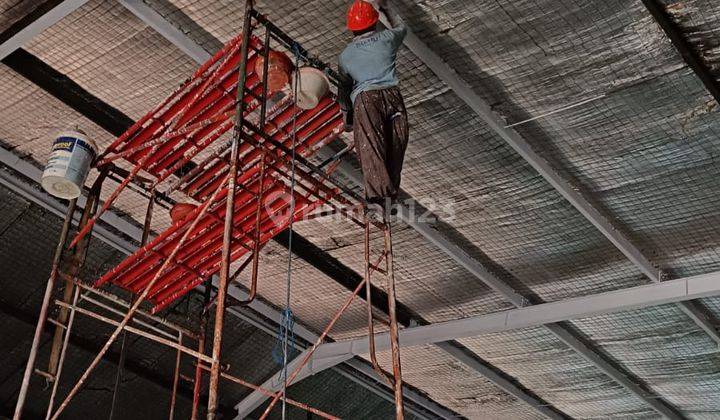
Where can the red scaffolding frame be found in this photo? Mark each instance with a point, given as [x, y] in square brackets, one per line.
[249, 189]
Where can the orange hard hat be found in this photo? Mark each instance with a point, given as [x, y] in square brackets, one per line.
[361, 15]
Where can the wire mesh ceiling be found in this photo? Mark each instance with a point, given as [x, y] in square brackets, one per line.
[642, 143]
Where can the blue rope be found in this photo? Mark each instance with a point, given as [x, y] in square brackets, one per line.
[286, 336]
[286, 324]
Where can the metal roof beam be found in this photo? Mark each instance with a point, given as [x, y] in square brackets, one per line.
[168, 31]
[688, 53]
[68, 91]
[654, 294]
[548, 314]
[42, 17]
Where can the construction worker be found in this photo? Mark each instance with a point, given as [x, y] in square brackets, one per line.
[371, 101]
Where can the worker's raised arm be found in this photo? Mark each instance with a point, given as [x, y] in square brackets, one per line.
[396, 24]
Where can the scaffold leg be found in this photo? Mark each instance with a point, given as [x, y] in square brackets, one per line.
[369, 269]
[197, 384]
[228, 227]
[394, 339]
[176, 377]
[75, 262]
[395, 381]
[30, 366]
[63, 353]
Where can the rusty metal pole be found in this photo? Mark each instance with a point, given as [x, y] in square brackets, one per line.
[368, 302]
[75, 263]
[148, 218]
[197, 385]
[229, 213]
[123, 341]
[263, 113]
[176, 378]
[266, 67]
[63, 353]
[394, 340]
[30, 366]
[256, 240]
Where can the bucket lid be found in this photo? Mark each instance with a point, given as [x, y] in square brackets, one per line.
[60, 187]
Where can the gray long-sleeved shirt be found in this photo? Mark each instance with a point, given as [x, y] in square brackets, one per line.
[369, 59]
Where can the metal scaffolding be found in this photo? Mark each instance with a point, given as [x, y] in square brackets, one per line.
[248, 189]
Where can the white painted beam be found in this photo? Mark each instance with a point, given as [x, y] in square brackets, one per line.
[654, 294]
[672, 291]
[168, 31]
[42, 22]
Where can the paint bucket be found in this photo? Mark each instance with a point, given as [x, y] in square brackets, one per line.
[279, 68]
[68, 165]
[180, 211]
[313, 86]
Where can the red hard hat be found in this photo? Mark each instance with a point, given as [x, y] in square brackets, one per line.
[361, 15]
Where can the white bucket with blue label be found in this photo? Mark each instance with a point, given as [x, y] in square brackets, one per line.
[69, 164]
